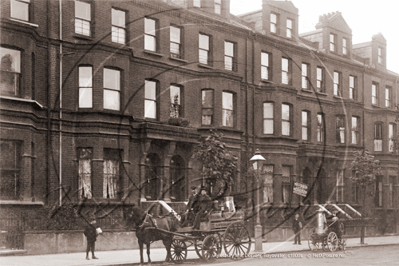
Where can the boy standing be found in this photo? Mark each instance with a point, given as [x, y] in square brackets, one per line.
[91, 236]
[297, 226]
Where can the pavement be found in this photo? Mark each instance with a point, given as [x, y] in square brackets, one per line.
[129, 257]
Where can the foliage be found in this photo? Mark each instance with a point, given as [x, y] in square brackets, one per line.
[217, 163]
[366, 169]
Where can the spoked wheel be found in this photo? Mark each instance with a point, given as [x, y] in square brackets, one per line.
[236, 241]
[198, 247]
[178, 251]
[313, 245]
[332, 241]
[210, 248]
[218, 243]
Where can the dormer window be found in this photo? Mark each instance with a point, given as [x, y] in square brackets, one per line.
[197, 3]
[380, 59]
[273, 23]
[332, 42]
[218, 6]
[289, 28]
[344, 46]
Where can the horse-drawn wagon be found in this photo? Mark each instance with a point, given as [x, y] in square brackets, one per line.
[220, 230]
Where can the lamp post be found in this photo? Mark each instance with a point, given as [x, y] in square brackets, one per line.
[257, 160]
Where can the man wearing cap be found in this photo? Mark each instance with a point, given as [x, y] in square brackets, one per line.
[191, 207]
[205, 206]
[91, 235]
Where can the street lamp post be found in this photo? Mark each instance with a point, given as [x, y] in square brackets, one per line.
[257, 160]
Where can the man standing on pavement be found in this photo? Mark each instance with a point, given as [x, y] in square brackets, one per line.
[188, 215]
[205, 206]
[91, 236]
[297, 226]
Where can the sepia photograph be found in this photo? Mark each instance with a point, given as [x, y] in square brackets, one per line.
[199, 132]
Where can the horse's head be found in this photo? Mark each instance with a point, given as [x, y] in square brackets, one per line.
[134, 215]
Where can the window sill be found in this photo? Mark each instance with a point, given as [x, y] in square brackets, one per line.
[178, 59]
[21, 100]
[267, 81]
[24, 22]
[83, 37]
[338, 97]
[111, 111]
[306, 90]
[205, 66]
[322, 93]
[20, 202]
[153, 53]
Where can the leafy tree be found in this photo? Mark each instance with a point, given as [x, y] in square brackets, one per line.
[365, 168]
[218, 165]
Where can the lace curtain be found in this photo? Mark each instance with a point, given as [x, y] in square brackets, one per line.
[268, 183]
[111, 174]
[85, 173]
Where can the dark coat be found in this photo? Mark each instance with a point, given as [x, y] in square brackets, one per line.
[296, 226]
[192, 202]
[205, 203]
[90, 232]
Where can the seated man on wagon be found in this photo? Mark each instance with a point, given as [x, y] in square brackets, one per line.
[334, 225]
[191, 208]
[205, 206]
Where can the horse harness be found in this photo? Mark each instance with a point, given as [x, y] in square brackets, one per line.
[147, 219]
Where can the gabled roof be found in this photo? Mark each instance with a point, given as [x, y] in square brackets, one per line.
[379, 37]
[284, 5]
[334, 20]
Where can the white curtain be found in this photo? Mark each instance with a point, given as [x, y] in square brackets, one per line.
[85, 173]
[268, 183]
[111, 174]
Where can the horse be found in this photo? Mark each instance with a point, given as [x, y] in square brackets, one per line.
[146, 229]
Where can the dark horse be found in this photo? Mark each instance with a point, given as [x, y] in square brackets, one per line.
[147, 229]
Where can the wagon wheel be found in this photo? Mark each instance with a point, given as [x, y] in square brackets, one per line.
[210, 248]
[236, 241]
[198, 247]
[178, 251]
[332, 241]
[218, 243]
